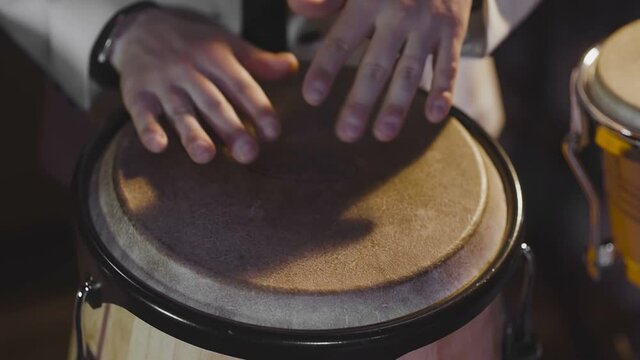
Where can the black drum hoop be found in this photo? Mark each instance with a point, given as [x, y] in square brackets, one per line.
[389, 339]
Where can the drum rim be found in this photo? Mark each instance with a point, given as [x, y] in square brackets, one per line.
[586, 69]
[227, 336]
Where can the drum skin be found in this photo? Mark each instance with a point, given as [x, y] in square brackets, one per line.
[450, 302]
[113, 333]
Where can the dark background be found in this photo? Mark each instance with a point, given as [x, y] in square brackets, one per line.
[574, 318]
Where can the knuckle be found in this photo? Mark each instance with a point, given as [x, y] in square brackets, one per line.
[176, 70]
[375, 72]
[410, 76]
[213, 106]
[191, 137]
[337, 45]
[452, 23]
[407, 7]
[453, 68]
[199, 55]
[239, 86]
[177, 104]
[358, 108]
[176, 111]
[139, 102]
[147, 131]
[445, 80]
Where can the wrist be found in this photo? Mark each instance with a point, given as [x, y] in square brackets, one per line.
[100, 67]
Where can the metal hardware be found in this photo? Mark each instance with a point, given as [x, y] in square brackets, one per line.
[599, 253]
[519, 342]
[87, 293]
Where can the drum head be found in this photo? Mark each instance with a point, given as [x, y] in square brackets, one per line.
[615, 88]
[316, 234]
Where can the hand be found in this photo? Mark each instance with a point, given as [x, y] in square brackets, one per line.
[180, 65]
[404, 33]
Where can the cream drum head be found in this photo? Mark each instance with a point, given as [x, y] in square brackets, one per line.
[368, 248]
[615, 88]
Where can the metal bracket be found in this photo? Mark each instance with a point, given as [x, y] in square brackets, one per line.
[599, 253]
[87, 293]
[519, 342]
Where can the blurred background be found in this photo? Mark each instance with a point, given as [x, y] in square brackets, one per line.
[574, 318]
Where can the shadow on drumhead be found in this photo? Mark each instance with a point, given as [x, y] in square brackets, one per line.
[307, 195]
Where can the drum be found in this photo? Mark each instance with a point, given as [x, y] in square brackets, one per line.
[319, 249]
[605, 96]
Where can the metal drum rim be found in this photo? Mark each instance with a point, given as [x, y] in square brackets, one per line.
[586, 70]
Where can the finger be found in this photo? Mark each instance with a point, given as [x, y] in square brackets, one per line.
[373, 73]
[144, 109]
[238, 84]
[440, 97]
[181, 114]
[403, 87]
[222, 118]
[315, 8]
[264, 64]
[347, 33]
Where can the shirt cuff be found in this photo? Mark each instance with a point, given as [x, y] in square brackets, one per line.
[74, 27]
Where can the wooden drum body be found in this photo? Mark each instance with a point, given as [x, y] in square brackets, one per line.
[113, 333]
[318, 250]
[605, 90]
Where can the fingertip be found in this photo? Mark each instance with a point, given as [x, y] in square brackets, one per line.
[285, 64]
[293, 65]
[270, 66]
[245, 150]
[314, 92]
[155, 141]
[346, 136]
[202, 152]
[348, 132]
[438, 109]
[386, 130]
[270, 128]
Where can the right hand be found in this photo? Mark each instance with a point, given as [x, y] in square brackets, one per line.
[186, 68]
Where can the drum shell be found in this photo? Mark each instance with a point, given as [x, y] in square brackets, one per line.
[621, 176]
[113, 333]
[221, 335]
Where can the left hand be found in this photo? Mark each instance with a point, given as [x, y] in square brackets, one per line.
[404, 32]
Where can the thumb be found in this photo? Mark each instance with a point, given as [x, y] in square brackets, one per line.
[266, 65]
[315, 8]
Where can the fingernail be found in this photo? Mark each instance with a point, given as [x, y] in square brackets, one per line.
[156, 141]
[316, 92]
[202, 152]
[438, 111]
[271, 128]
[350, 129]
[387, 129]
[244, 150]
[294, 66]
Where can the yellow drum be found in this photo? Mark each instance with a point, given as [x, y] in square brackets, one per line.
[318, 250]
[605, 95]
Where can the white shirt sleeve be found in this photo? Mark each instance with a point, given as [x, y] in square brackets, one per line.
[59, 34]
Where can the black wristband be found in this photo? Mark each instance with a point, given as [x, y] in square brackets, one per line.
[103, 72]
